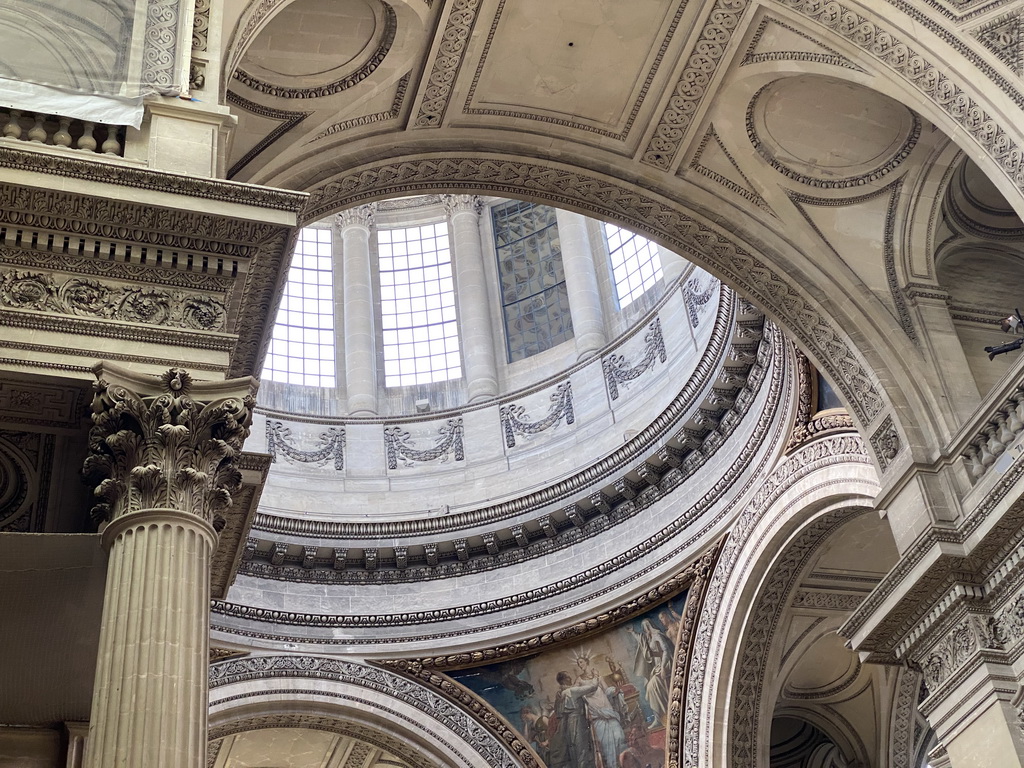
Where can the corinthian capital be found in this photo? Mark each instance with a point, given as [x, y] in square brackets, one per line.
[462, 204]
[165, 442]
[361, 216]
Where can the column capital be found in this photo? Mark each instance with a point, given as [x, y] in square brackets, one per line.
[454, 204]
[165, 442]
[360, 216]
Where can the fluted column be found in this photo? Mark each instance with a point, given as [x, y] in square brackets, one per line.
[360, 339]
[474, 310]
[581, 284]
[162, 452]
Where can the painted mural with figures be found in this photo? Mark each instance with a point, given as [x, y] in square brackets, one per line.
[599, 703]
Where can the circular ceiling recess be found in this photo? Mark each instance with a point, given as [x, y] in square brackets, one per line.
[348, 37]
[976, 206]
[830, 133]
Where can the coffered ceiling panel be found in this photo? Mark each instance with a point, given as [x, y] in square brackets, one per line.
[531, 62]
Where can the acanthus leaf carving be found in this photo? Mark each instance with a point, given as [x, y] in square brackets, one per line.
[172, 445]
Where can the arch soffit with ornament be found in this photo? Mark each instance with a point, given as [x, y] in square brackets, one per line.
[800, 505]
[352, 700]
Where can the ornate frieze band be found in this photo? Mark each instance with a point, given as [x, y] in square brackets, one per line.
[739, 467]
[154, 181]
[668, 469]
[513, 421]
[84, 297]
[618, 371]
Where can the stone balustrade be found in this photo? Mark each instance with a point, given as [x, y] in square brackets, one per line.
[58, 131]
[1001, 431]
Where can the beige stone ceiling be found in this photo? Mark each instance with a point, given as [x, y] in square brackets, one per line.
[790, 133]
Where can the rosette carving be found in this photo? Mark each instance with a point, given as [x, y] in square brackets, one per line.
[165, 443]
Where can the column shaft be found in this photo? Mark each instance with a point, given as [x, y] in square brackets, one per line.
[150, 698]
[163, 455]
[478, 353]
[581, 284]
[360, 339]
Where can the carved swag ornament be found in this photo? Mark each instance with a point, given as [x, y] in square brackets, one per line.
[165, 443]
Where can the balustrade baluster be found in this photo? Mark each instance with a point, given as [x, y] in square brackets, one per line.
[1003, 432]
[37, 133]
[995, 446]
[62, 138]
[12, 130]
[974, 464]
[111, 146]
[87, 141]
[1013, 420]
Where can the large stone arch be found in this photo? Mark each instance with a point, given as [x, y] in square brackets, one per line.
[801, 502]
[366, 703]
[414, 155]
[857, 361]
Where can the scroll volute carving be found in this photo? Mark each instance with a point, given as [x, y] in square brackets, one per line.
[165, 442]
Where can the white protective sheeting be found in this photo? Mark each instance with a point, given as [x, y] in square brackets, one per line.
[90, 59]
[111, 110]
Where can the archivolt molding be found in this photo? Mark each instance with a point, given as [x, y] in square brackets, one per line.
[439, 712]
[327, 723]
[752, 665]
[447, 62]
[697, 741]
[637, 209]
[369, 736]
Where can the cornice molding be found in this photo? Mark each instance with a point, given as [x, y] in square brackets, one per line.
[118, 174]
